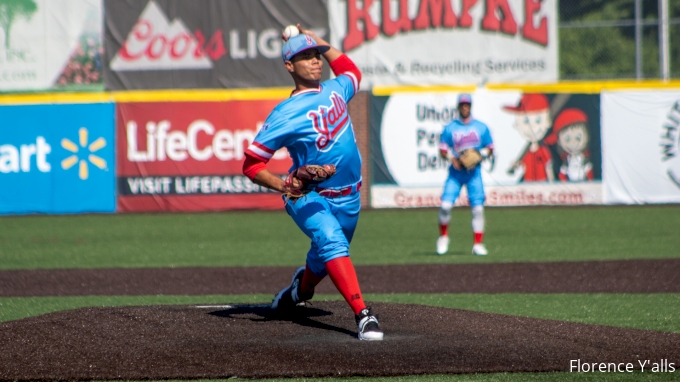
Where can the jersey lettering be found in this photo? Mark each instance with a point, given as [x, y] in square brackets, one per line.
[329, 122]
[462, 140]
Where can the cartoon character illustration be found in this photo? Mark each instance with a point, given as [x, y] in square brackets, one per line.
[532, 121]
[570, 133]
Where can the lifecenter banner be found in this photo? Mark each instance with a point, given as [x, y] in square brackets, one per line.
[447, 42]
[546, 148]
[641, 147]
[188, 156]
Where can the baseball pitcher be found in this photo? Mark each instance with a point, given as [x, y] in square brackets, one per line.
[321, 194]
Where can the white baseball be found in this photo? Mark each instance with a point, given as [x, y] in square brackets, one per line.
[291, 31]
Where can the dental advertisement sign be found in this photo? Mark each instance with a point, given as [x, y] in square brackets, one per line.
[188, 156]
[546, 148]
[57, 159]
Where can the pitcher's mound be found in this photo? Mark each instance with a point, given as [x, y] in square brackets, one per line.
[183, 342]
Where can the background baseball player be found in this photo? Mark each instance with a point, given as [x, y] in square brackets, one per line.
[314, 125]
[464, 136]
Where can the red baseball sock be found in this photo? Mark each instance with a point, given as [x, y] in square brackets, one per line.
[443, 229]
[309, 281]
[344, 277]
[478, 237]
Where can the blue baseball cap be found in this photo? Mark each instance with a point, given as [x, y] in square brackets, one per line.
[300, 43]
[465, 98]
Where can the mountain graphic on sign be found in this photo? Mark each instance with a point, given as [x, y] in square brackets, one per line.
[156, 44]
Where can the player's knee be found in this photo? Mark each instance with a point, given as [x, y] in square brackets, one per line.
[477, 210]
[445, 212]
[447, 206]
[329, 248]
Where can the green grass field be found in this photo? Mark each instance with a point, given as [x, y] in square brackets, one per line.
[383, 237]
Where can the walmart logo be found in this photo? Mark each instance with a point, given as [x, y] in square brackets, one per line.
[87, 151]
[57, 158]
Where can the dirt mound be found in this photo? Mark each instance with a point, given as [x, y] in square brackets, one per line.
[182, 342]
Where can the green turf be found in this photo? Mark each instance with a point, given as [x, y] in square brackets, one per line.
[659, 312]
[382, 237]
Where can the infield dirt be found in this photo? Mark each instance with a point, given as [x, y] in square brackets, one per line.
[190, 342]
[622, 276]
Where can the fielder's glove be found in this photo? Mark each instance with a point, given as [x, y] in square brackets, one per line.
[470, 158]
[302, 180]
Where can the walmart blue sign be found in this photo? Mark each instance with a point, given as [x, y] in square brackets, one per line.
[57, 158]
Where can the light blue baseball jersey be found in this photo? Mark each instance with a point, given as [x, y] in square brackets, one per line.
[458, 136]
[314, 125]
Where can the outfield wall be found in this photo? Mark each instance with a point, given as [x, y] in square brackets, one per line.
[183, 150]
[166, 151]
[139, 149]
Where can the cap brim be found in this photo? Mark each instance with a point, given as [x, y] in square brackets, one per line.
[321, 48]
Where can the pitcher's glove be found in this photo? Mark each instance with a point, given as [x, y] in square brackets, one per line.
[303, 179]
[470, 158]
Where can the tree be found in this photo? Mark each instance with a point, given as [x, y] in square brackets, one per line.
[11, 10]
[609, 52]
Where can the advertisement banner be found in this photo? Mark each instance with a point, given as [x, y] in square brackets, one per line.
[551, 140]
[188, 156]
[57, 159]
[641, 147]
[183, 44]
[447, 42]
[538, 194]
[51, 44]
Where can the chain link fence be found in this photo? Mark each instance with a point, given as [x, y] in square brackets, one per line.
[603, 39]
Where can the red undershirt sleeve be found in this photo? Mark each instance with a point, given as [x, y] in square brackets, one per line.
[344, 64]
[252, 166]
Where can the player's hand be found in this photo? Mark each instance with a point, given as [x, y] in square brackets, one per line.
[308, 32]
[455, 162]
[485, 152]
[297, 183]
[283, 33]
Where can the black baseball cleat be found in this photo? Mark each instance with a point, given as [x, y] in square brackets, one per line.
[288, 297]
[369, 329]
